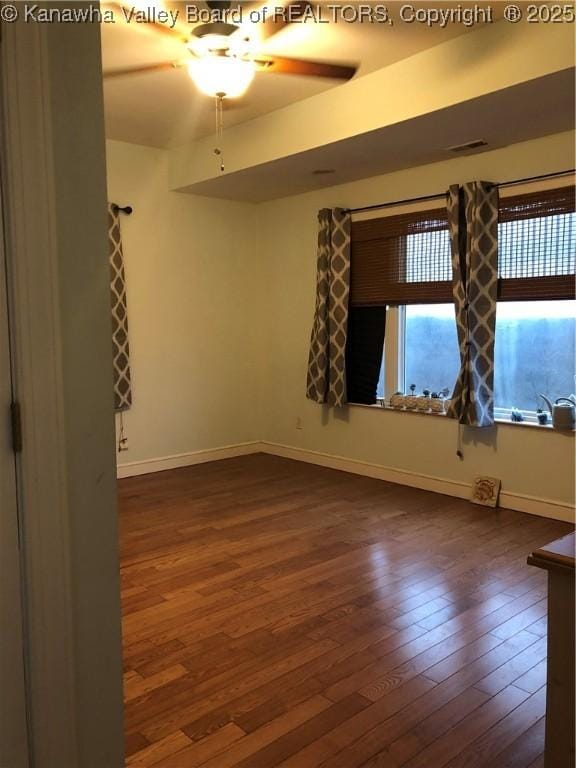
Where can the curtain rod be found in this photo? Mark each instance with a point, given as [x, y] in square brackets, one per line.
[127, 209]
[439, 195]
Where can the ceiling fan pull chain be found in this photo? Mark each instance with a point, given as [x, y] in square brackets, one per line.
[219, 131]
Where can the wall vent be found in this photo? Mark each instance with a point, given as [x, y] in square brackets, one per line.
[468, 146]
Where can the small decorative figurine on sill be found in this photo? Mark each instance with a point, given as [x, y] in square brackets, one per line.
[411, 401]
[516, 415]
[542, 417]
[424, 401]
[436, 403]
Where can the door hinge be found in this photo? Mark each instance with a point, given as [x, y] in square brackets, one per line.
[16, 427]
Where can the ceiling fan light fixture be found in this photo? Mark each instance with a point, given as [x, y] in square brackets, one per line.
[216, 39]
[223, 76]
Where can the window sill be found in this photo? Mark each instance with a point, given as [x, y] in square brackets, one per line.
[499, 422]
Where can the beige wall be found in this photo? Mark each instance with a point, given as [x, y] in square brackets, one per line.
[192, 312]
[220, 301]
[530, 462]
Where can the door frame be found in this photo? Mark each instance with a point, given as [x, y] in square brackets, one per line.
[41, 465]
[32, 65]
[14, 739]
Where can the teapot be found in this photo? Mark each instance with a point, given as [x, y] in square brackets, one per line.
[563, 411]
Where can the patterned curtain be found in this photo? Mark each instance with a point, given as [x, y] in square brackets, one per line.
[473, 223]
[120, 347]
[326, 381]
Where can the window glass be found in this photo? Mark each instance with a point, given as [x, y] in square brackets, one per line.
[432, 359]
[534, 352]
[380, 387]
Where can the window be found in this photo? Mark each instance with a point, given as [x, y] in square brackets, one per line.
[534, 352]
[431, 356]
[403, 263]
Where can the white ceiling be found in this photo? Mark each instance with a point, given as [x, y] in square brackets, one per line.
[164, 109]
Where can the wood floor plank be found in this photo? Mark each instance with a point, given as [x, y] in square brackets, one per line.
[282, 748]
[457, 740]
[134, 743]
[334, 749]
[438, 641]
[534, 679]
[525, 749]
[518, 667]
[374, 729]
[429, 730]
[271, 732]
[198, 753]
[281, 614]
[140, 686]
[488, 747]
[174, 713]
[154, 753]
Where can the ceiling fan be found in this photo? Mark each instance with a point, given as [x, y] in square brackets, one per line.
[222, 57]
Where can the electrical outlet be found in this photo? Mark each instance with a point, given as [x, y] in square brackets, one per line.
[299, 422]
[123, 444]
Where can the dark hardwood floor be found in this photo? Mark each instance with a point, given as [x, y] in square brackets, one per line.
[281, 614]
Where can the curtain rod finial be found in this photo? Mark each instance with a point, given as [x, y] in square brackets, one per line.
[127, 209]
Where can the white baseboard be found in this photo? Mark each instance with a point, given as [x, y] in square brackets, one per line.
[377, 471]
[550, 508]
[145, 467]
[520, 502]
[533, 505]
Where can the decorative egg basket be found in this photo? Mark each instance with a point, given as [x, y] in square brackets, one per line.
[420, 403]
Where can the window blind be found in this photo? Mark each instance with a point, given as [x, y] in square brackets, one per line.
[406, 259]
[401, 259]
[537, 245]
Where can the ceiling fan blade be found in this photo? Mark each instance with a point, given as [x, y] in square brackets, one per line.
[142, 70]
[129, 13]
[285, 66]
[275, 15]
